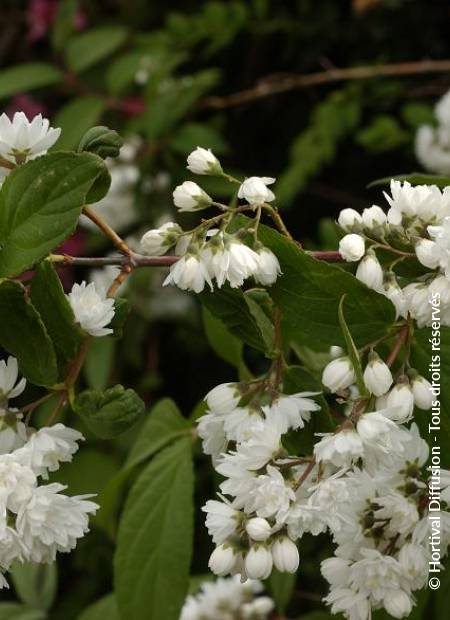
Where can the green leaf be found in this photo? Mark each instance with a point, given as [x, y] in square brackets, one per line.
[109, 413]
[352, 351]
[25, 336]
[154, 544]
[27, 77]
[35, 584]
[88, 48]
[47, 296]
[64, 23]
[227, 346]
[102, 141]
[99, 362]
[384, 133]
[415, 178]
[309, 292]
[281, 587]
[106, 607]
[122, 71]
[75, 118]
[265, 325]
[14, 611]
[40, 203]
[122, 309]
[190, 135]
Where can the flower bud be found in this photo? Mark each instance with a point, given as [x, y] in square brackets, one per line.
[370, 272]
[158, 241]
[397, 603]
[422, 392]
[349, 219]
[203, 161]
[190, 197]
[377, 375]
[373, 217]
[401, 399]
[255, 191]
[336, 351]
[352, 247]
[258, 562]
[102, 141]
[258, 529]
[222, 560]
[426, 253]
[395, 295]
[338, 374]
[223, 398]
[285, 555]
[268, 267]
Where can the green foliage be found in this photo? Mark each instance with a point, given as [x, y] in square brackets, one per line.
[281, 587]
[86, 49]
[40, 203]
[384, 133]
[99, 362]
[101, 141]
[109, 413]
[27, 77]
[227, 346]
[415, 178]
[77, 117]
[122, 309]
[14, 611]
[106, 607]
[26, 336]
[352, 351]
[154, 543]
[35, 584]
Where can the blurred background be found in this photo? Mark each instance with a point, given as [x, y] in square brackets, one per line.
[170, 76]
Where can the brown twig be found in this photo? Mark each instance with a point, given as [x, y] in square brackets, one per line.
[267, 88]
[305, 474]
[109, 232]
[401, 339]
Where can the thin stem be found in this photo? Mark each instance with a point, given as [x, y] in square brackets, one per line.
[4, 163]
[277, 220]
[32, 406]
[119, 280]
[401, 338]
[57, 409]
[305, 474]
[109, 232]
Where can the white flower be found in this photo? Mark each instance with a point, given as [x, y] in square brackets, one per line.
[268, 268]
[261, 448]
[243, 263]
[270, 496]
[285, 555]
[259, 609]
[221, 520]
[397, 603]
[427, 253]
[157, 241]
[92, 310]
[189, 273]
[354, 605]
[335, 571]
[401, 401]
[413, 561]
[401, 513]
[203, 161]
[210, 428]
[441, 249]
[13, 432]
[258, 562]
[416, 296]
[373, 216]
[370, 272]
[395, 294]
[338, 374]
[9, 372]
[432, 148]
[190, 197]
[377, 375]
[422, 392]
[223, 398]
[349, 219]
[425, 202]
[22, 140]
[17, 484]
[339, 448]
[379, 432]
[222, 560]
[258, 529]
[352, 247]
[292, 410]
[255, 191]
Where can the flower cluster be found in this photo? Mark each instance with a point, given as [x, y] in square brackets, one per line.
[210, 254]
[228, 599]
[92, 309]
[415, 228]
[36, 520]
[432, 144]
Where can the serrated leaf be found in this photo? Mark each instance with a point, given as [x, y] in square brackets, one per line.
[24, 335]
[86, 49]
[106, 607]
[111, 412]
[352, 351]
[154, 543]
[27, 77]
[35, 584]
[75, 118]
[40, 203]
[47, 296]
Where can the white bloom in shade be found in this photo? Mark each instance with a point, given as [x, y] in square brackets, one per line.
[190, 197]
[352, 247]
[268, 267]
[432, 148]
[395, 294]
[222, 560]
[339, 448]
[203, 161]
[335, 571]
[259, 609]
[223, 398]
[425, 202]
[377, 375]
[243, 263]
[189, 273]
[258, 562]
[379, 432]
[336, 351]
[261, 448]
[349, 219]
[22, 140]
[92, 310]
[17, 484]
[353, 604]
[51, 521]
[158, 241]
[397, 603]
[13, 432]
[9, 386]
[441, 236]
[285, 555]
[292, 410]
[258, 529]
[401, 400]
[416, 296]
[270, 496]
[221, 520]
[422, 392]
[338, 374]
[413, 560]
[370, 272]
[427, 253]
[255, 191]
[373, 216]
[401, 513]
[48, 447]
[210, 428]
